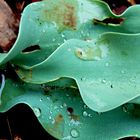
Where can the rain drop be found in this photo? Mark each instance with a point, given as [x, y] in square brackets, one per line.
[128, 108]
[37, 111]
[61, 106]
[99, 113]
[83, 79]
[53, 39]
[103, 81]
[69, 49]
[107, 64]
[74, 133]
[122, 71]
[63, 36]
[85, 114]
[64, 105]
[89, 115]
[132, 80]
[125, 109]
[88, 34]
[82, 32]
[85, 106]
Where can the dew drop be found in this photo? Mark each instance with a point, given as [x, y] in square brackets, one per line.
[61, 106]
[53, 39]
[69, 49]
[88, 34]
[85, 114]
[132, 80]
[55, 107]
[107, 64]
[128, 108]
[64, 105]
[122, 71]
[82, 32]
[85, 106]
[63, 36]
[67, 138]
[37, 111]
[89, 115]
[125, 109]
[74, 133]
[103, 81]
[99, 113]
[83, 79]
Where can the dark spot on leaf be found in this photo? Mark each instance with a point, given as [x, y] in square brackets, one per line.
[70, 110]
[69, 16]
[111, 86]
[74, 117]
[62, 13]
[31, 48]
[59, 118]
[109, 21]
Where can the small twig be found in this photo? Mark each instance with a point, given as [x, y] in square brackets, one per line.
[9, 127]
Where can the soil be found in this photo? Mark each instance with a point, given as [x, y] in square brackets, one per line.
[20, 123]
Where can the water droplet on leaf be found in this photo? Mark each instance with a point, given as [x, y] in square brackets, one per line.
[37, 111]
[74, 133]
[122, 71]
[85, 106]
[83, 79]
[63, 36]
[53, 39]
[103, 81]
[85, 114]
[107, 64]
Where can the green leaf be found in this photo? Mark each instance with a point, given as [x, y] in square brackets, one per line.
[49, 30]
[104, 69]
[79, 49]
[51, 110]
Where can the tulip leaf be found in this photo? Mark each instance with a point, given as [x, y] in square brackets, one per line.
[67, 117]
[78, 68]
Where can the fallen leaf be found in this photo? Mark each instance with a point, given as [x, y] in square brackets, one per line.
[132, 2]
[8, 27]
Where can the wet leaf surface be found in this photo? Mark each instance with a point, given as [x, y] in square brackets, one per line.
[73, 62]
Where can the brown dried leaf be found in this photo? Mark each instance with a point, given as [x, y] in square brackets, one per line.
[16, 137]
[8, 26]
[132, 2]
